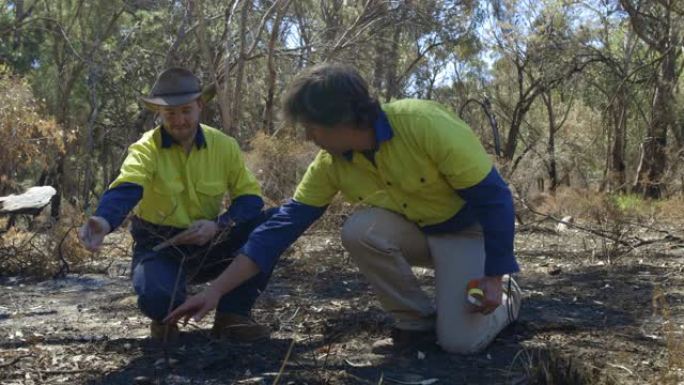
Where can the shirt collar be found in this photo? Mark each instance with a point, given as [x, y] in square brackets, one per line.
[167, 140]
[383, 133]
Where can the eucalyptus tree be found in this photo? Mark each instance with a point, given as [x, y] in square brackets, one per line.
[538, 47]
[19, 38]
[616, 87]
[424, 40]
[660, 24]
[66, 69]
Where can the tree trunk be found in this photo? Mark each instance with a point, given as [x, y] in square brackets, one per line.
[617, 176]
[332, 18]
[304, 35]
[18, 18]
[271, 68]
[518, 115]
[657, 24]
[649, 179]
[237, 96]
[551, 145]
[93, 79]
[523, 104]
[380, 62]
[391, 75]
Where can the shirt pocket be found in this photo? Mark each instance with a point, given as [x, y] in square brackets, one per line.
[210, 194]
[167, 187]
[161, 202]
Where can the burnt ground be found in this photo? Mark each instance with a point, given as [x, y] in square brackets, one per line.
[585, 320]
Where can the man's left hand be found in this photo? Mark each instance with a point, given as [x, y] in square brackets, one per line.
[493, 294]
[195, 307]
[199, 233]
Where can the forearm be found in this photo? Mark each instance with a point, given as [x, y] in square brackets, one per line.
[243, 209]
[240, 270]
[493, 206]
[268, 241]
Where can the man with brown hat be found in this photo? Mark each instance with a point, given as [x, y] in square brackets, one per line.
[174, 179]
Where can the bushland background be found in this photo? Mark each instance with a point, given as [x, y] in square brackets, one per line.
[579, 103]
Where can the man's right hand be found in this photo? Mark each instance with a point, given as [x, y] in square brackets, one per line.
[92, 233]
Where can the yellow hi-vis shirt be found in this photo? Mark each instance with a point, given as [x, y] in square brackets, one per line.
[430, 153]
[180, 188]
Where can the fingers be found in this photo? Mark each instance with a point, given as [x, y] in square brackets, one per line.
[83, 235]
[190, 309]
[489, 307]
[94, 226]
[184, 236]
[92, 233]
[201, 313]
[199, 233]
[490, 294]
[89, 240]
[184, 310]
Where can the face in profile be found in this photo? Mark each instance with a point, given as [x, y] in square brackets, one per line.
[336, 140]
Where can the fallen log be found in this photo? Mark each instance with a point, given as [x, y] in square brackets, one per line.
[30, 202]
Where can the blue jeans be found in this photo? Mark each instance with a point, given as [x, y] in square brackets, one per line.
[160, 278]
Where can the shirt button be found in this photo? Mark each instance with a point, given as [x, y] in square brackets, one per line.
[389, 183]
[422, 180]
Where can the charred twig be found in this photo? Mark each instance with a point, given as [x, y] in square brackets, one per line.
[636, 242]
[64, 267]
[68, 371]
[15, 360]
[282, 367]
[600, 233]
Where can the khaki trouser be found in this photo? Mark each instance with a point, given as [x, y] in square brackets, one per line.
[385, 245]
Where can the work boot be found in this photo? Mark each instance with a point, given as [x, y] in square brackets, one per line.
[404, 340]
[161, 332]
[238, 328]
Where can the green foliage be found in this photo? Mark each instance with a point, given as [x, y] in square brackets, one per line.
[19, 43]
[89, 62]
[629, 202]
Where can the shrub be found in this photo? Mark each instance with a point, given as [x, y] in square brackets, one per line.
[279, 164]
[30, 141]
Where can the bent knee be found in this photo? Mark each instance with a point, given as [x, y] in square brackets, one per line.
[155, 306]
[356, 227]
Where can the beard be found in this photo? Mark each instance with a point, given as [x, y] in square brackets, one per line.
[182, 134]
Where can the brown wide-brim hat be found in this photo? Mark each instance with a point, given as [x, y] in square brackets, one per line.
[174, 87]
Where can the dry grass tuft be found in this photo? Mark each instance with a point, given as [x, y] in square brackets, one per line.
[674, 374]
[279, 164]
